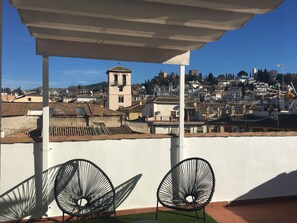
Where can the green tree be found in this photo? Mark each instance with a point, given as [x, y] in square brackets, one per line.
[210, 78]
[19, 91]
[6, 90]
[200, 77]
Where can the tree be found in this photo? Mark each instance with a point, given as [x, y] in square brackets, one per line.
[221, 76]
[19, 91]
[6, 90]
[230, 76]
[210, 78]
[200, 77]
[263, 76]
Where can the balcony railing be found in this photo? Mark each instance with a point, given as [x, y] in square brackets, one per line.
[162, 118]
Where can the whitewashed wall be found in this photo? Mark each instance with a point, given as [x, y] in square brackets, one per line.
[122, 160]
[249, 167]
[245, 167]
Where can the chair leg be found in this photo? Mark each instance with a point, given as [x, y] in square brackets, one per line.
[115, 213]
[157, 211]
[197, 216]
[203, 215]
[203, 212]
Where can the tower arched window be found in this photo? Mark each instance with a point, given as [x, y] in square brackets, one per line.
[124, 79]
[115, 79]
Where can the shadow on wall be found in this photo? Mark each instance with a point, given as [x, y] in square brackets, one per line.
[283, 185]
[31, 197]
[124, 190]
[282, 189]
[21, 201]
[174, 152]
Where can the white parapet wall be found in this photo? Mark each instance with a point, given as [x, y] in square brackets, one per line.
[245, 168]
[249, 167]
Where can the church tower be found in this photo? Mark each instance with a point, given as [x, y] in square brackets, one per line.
[119, 88]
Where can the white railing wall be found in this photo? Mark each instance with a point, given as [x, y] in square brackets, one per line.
[249, 167]
[245, 168]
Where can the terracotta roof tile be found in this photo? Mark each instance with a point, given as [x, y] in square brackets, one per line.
[19, 108]
[80, 131]
[119, 130]
[71, 131]
[119, 69]
[57, 109]
[133, 108]
[97, 110]
[164, 100]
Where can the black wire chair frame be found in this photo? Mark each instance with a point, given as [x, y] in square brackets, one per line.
[82, 188]
[188, 186]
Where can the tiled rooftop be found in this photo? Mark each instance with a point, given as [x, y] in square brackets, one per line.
[287, 121]
[82, 131]
[57, 109]
[119, 69]
[133, 108]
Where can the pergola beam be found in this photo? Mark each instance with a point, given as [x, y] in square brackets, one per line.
[111, 52]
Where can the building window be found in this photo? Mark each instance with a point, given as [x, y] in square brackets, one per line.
[115, 79]
[199, 129]
[80, 112]
[187, 130]
[173, 114]
[151, 113]
[121, 99]
[124, 80]
[121, 88]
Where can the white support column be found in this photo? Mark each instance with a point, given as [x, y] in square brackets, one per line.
[41, 181]
[45, 113]
[181, 111]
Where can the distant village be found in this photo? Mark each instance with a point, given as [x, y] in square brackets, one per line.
[260, 100]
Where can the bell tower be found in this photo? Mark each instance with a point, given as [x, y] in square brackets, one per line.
[119, 88]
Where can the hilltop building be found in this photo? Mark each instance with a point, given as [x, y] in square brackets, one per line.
[193, 72]
[119, 88]
[163, 74]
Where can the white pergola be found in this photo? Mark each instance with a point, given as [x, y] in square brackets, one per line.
[157, 31]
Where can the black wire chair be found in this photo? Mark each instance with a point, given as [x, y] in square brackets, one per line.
[82, 188]
[188, 186]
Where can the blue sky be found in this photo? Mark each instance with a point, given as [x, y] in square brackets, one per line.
[266, 40]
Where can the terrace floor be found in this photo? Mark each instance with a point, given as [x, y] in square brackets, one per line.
[276, 211]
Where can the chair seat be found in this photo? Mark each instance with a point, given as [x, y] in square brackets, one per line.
[82, 188]
[188, 186]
